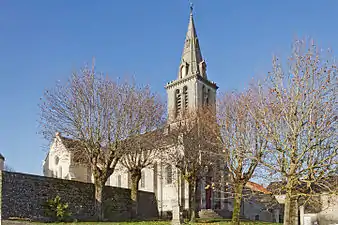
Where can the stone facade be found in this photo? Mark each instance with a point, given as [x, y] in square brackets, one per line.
[327, 213]
[23, 196]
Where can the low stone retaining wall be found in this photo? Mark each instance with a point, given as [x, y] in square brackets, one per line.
[23, 196]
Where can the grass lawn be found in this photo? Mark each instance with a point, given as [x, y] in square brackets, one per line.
[213, 222]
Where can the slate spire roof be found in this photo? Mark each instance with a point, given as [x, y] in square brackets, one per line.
[192, 55]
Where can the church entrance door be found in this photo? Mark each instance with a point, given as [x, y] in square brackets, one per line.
[208, 193]
[208, 198]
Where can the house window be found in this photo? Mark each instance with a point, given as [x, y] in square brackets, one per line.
[169, 174]
[185, 93]
[119, 180]
[60, 172]
[178, 102]
[143, 179]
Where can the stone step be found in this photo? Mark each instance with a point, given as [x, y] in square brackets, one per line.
[208, 214]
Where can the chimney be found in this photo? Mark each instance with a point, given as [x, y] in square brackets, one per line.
[2, 162]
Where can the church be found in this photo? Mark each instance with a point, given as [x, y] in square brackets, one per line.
[190, 90]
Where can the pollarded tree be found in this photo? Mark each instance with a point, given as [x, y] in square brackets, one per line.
[99, 115]
[297, 111]
[142, 150]
[193, 136]
[241, 141]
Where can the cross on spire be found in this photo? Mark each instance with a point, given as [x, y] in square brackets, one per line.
[191, 7]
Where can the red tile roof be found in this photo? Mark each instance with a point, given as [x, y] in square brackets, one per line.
[257, 187]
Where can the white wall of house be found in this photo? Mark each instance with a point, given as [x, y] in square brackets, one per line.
[329, 213]
[256, 211]
[58, 161]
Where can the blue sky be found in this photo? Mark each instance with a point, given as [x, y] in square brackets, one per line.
[42, 42]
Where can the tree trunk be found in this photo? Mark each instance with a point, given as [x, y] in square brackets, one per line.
[287, 210]
[289, 206]
[192, 200]
[197, 199]
[99, 185]
[135, 177]
[238, 191]
[295, 215]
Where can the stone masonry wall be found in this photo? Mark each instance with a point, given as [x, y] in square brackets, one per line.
[23, 195]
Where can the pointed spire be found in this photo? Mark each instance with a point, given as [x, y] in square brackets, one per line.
[192, 62]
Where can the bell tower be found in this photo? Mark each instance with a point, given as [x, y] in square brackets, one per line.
[191, 89]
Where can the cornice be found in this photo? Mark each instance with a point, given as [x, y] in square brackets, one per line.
[174, 83]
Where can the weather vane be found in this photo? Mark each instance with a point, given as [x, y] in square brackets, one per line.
[191, 6]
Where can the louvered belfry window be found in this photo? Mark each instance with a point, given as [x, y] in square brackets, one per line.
[185, 93]
[178, 101]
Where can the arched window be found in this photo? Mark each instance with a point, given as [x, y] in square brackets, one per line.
[155, 177]
[182, 71]
[207, 97]
[202, 68]
[60, 172]
[169, 174]
[203, 95]
[178, 102]
[143, 179]
[119, 180]
[185, 93]
[57, 160]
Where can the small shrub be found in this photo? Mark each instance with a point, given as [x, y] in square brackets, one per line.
[57, 210]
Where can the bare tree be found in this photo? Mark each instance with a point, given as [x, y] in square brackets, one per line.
[194, 149]
[242, 143]
[100, 115]
[297, 114]
[142, 150]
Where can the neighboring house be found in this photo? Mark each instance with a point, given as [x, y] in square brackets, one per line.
[321, 208]
[257, 204]
[190, 90]
[261, 204]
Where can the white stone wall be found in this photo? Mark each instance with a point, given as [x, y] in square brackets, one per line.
[113, 179]
[212, 93]
[80, 173]
[329, 213]
[59, 160]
